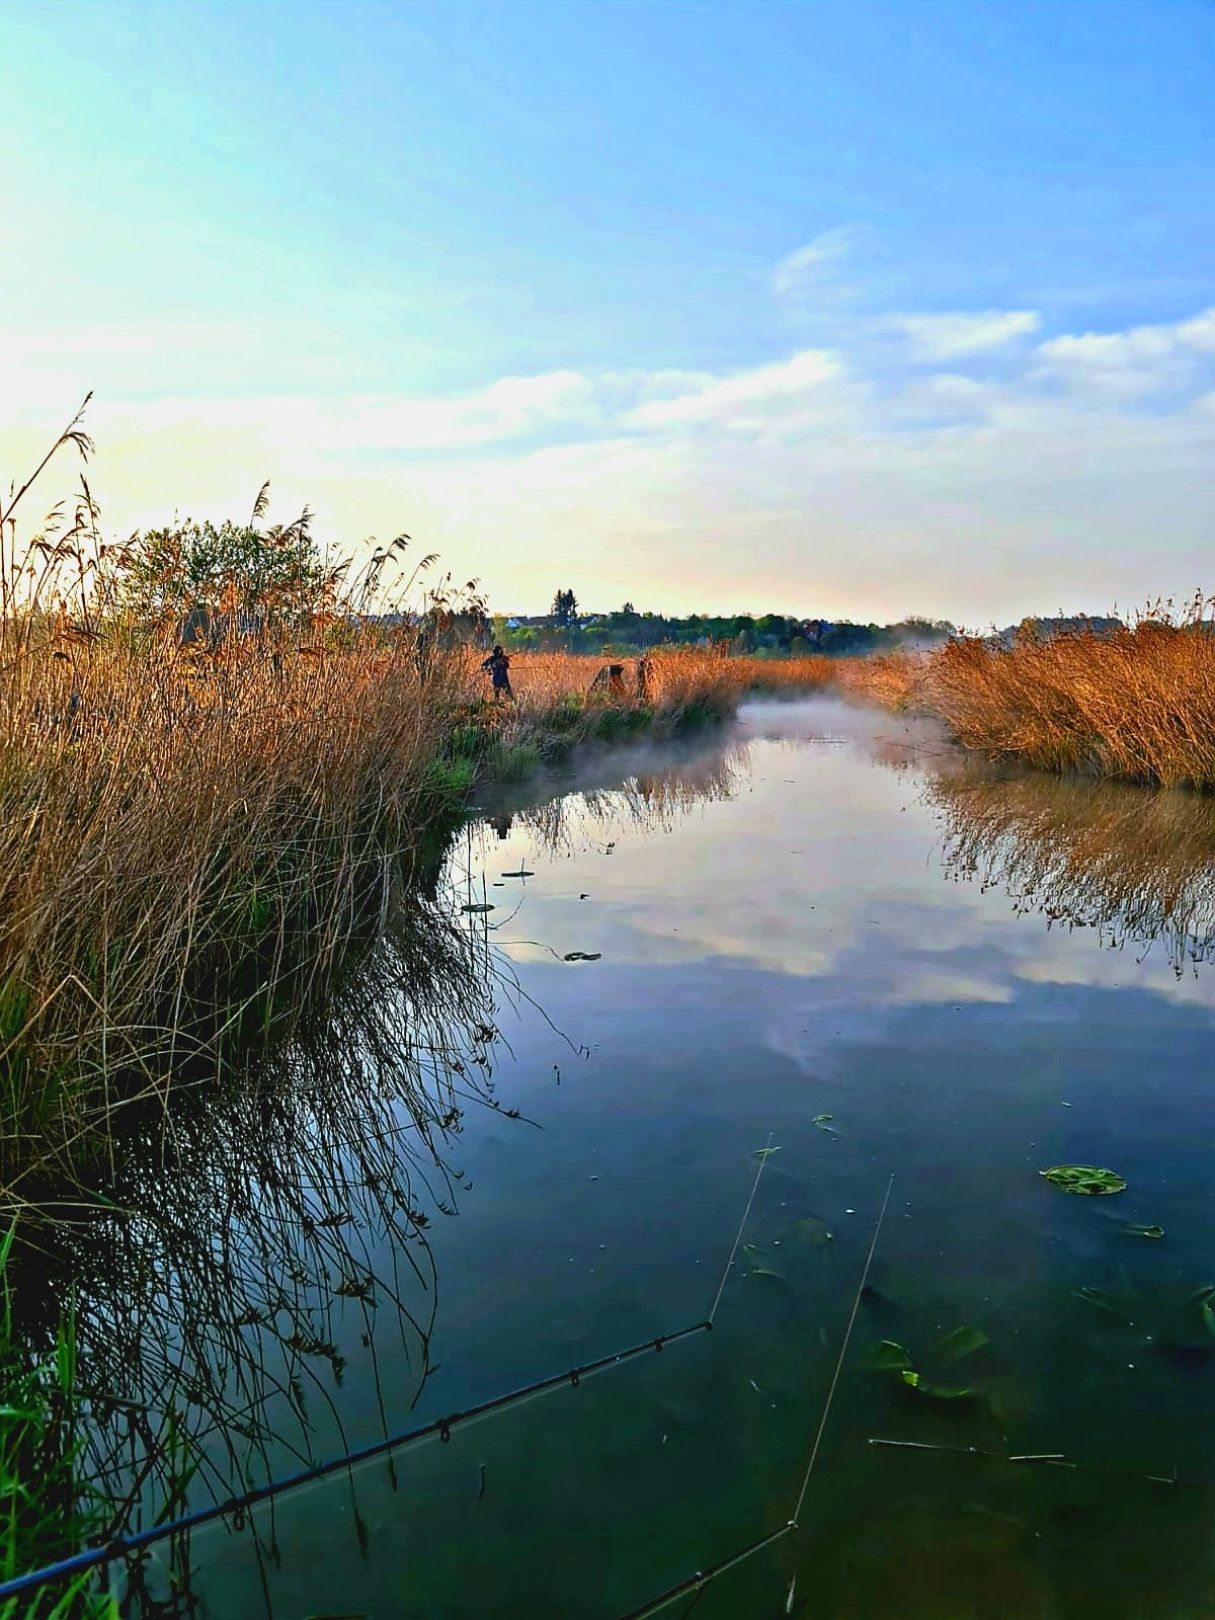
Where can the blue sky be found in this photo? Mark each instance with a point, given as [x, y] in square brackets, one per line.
[846, 308]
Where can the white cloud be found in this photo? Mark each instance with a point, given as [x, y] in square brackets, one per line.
[1199, 333]
[847, 480]
[1140, 360]
[952, 334]
[745, 398]
[807, 266]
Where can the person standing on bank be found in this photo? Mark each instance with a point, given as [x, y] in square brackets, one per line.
[498, 665]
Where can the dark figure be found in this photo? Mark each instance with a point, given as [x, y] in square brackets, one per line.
[498, 665]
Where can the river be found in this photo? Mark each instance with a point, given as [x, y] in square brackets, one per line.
[819, 948]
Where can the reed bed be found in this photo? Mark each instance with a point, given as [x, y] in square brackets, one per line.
[1137, 703]
[892, 679]
[187, 852]
[195, 834]
[674, 680]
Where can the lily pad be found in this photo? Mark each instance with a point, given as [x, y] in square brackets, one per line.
[1131, 1230]
[522, 872]
[477, 910]
[1085, 1179]
[583, 956]
[762, 1262]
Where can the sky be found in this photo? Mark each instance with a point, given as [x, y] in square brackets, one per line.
[837, 308]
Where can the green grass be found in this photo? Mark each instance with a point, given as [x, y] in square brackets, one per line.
[46, 1512]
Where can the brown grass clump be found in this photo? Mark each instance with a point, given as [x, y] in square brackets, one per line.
[1138, 703]
[187, 850]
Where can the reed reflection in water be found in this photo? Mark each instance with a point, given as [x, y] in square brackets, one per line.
[1137, 865]
[653, 796]
[237, 1247]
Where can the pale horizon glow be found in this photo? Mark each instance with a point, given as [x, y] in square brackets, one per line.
[918, 325]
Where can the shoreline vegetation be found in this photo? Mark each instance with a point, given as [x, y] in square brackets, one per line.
[210, 811]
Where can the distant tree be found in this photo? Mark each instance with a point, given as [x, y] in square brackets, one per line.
[629, 611]
[565, 609]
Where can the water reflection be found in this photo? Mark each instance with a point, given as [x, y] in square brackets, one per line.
[649, 790]
[246, 1247]
[782, 957]
[1135, 865]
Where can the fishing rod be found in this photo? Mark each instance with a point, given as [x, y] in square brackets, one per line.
[236, 1507]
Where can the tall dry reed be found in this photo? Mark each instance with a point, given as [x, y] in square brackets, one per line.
[193, 837]
[1137, 703]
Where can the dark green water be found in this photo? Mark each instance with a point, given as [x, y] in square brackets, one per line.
[975, 979]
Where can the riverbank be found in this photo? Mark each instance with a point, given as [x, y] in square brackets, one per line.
[194, 845]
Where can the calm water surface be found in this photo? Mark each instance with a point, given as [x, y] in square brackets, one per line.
[825, 931]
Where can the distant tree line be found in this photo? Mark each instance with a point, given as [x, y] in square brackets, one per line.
[773, 634]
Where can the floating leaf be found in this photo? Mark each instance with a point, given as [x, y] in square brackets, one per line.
[764, 1152]
[962, 1342]
[477, 910]
[822, 1119]
[936, 1392]
[890, 1357]
[1084, 1178]
[583, 956]
[1131, 1230]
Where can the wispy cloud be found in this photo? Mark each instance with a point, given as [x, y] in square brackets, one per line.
[746, 398]
[955, 333]
[808, 267]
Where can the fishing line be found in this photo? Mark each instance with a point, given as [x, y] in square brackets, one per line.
[697, 1582]
[764, 1155]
